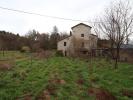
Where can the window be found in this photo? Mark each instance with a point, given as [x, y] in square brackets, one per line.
[82, 35]
[64, 43]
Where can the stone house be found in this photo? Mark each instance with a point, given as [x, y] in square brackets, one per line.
[80, 41]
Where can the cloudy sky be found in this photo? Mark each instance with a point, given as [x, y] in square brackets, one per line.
[72, 9]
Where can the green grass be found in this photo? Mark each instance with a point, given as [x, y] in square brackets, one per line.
[25, 78]
[115, 80]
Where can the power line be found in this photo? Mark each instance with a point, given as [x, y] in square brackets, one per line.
[32, 13]
[42, 15]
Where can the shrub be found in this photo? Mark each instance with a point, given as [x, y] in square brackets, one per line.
[25, 49]
[59, 53]
[44, 54]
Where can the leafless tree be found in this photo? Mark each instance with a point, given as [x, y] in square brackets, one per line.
[117, 25]
[132, 42]
[96, 28]
[63, 35]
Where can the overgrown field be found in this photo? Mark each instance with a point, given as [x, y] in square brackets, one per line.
[62, 78]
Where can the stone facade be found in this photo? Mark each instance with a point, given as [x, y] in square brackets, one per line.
[81, 39]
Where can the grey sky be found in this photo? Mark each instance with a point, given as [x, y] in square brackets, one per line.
[74, 9]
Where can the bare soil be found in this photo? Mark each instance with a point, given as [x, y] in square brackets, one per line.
[101, 94]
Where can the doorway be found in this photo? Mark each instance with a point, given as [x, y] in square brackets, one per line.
[65, 53]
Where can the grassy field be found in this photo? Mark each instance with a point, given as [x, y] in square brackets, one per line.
[62, 78]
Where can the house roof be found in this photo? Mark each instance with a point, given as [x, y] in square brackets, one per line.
[81, 24]
[93, 35]
[65, 38]
[70, 36]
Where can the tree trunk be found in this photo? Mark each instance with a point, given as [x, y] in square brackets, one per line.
[117, 57]
[112, 52]
[3, 52]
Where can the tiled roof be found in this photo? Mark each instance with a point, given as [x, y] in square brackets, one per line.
[64, 38]
[81, 24]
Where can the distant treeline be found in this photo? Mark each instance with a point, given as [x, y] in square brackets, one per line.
[33, 39]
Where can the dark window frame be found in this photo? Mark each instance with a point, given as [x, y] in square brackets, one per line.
[65, 43]
[82, 35]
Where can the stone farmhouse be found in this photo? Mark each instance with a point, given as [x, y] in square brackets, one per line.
[80, 41]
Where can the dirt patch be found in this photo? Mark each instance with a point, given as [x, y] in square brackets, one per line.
[53, 84]
[44, 54]
[80, 81]
[57, 81]
[51, 89]
[28, 97]
[101, 94]
[62, 81]
[4, 66]
[44, 96]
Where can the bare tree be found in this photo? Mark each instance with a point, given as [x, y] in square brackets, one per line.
[54, 38]
[117, 25]
[96, 28]
[132, 42]
[63, 35]
[32, 34]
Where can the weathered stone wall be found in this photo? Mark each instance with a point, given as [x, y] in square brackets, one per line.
[68, 48]
[76, 41]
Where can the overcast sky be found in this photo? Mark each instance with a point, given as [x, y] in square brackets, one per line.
[73, 9]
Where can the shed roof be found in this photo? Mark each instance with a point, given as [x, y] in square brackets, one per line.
[64, 38]
[126, 46]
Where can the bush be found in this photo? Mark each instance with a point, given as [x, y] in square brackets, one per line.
[25, 49]
[59, 53]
